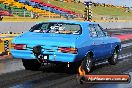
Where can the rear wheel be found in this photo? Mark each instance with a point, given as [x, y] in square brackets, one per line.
[32, 64]
[87, 64]
[114, 58]
[74, 66]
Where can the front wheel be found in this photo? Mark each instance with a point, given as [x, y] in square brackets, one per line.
[114, 58]
[32, 64]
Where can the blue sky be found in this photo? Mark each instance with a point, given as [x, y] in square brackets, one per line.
[115, 2]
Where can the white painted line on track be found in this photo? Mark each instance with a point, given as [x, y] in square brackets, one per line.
[123, 56]
[126, 45]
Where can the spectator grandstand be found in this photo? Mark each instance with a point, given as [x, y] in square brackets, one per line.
[51, 8]
[63, 9]
[44, 13]
[4, 13]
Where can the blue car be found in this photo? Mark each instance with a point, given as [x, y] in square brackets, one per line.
[66, 42]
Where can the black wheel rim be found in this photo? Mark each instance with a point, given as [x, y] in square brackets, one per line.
[88, 64]
[115, 56]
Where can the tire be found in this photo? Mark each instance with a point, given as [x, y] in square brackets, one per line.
[74, 66]
[114, 58]
[87, 64]
[31, 64]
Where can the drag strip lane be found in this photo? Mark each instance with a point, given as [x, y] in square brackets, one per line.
[58, 82]
[121, 67]
[7, 80]
[69, 80]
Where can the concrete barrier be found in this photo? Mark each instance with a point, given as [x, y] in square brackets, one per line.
[15, 27]
[5, 35]
[114, 25]
[18, 27]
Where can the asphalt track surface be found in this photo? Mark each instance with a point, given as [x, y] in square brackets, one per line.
[57, 77]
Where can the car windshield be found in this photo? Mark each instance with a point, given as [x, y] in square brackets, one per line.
[57, 28]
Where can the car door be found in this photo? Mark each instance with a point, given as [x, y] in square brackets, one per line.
[105, 46]
[96, 42]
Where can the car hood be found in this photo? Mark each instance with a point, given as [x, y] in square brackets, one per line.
[46, 39]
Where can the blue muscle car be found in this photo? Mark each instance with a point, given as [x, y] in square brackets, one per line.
[65, 42]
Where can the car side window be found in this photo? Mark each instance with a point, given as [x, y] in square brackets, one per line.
[92, 30]
[99, 30]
